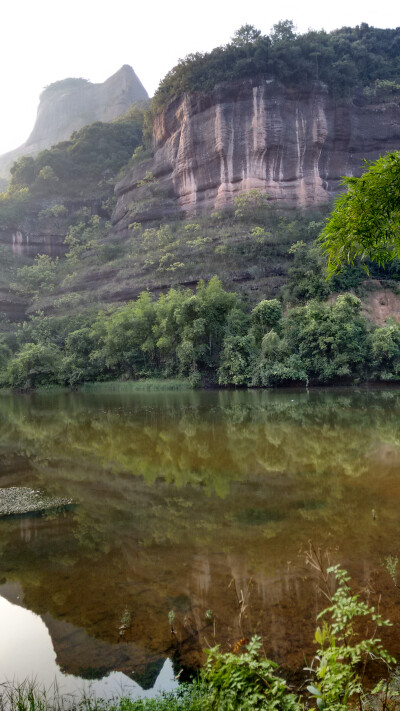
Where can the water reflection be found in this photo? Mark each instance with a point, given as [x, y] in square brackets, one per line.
[27, 654]
[183, 496]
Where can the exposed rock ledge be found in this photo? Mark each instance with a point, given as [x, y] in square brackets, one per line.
[294, 144]
[17, 501]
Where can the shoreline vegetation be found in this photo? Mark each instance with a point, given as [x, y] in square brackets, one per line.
[205, 338]
[128, 387]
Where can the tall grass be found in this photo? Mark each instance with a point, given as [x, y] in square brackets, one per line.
[30, 697]
[131, 386]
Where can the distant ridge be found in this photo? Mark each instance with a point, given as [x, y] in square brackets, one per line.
[70, 104]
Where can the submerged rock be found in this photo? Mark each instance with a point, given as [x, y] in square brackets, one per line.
[18, 500]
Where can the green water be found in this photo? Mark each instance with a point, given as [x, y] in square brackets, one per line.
[185, 499]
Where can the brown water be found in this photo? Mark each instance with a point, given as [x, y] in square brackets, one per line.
[183, 500]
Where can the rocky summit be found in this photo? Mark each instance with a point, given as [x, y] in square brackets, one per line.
[70, 104]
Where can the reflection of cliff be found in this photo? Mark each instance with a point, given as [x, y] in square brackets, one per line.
[150, 583]
[92, 658]
[181, 494]
[68, 651]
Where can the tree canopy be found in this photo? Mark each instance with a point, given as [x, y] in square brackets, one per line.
[94, 153]
[362, 61]
[366, 219]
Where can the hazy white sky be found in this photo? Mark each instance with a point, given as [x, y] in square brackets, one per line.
[42, 41]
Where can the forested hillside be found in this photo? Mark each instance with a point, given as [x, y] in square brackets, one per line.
[236, 296]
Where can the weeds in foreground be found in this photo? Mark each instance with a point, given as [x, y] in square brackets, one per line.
[29, 697]
[390, 564]
[343, 653]
[245, 679]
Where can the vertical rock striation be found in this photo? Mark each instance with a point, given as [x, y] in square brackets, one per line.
[294, 144]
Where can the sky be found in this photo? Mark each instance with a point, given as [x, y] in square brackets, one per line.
[42, 41]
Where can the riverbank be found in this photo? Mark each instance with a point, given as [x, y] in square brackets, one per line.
[109, 386]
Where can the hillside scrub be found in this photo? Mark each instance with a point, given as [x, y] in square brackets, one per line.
[308, 330]
[81, 171]
[94, 153]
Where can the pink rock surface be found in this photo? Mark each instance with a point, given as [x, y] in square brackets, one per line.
[294, 144]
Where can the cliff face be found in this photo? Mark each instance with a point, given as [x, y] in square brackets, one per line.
[68, 106]
[293, 144]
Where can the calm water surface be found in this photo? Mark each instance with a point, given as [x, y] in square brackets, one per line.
[183, 500]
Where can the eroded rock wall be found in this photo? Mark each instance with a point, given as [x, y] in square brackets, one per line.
[294, 144]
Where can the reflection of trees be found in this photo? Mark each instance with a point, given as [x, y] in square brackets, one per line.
[105, 452]
[204, 439]
[246, 477]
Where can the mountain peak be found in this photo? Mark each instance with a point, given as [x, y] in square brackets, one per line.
[69, 104]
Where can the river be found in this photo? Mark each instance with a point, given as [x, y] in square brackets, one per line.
[186, 503]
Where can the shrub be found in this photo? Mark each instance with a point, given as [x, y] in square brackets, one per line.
[342, 650]
[34, 365]
[247, 681]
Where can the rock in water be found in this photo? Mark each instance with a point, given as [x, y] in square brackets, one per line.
[19, 500]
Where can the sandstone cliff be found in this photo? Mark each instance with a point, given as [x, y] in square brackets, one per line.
[294, 144]
[68, 105]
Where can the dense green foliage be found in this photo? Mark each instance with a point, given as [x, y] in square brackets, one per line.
[366, 219]
[209, 335]
[246, 681]
[93, 154]
[346, 59]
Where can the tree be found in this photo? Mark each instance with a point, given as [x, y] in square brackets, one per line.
[330, 338]
[84, 236]
[128, 341]
[22, 173]
[265, 316]
[283, 31]
[245, 35]
[366, 219]
[307, 275]
[236, 360]
[38, 278]
[250, 204]
[36, 364]
[385, 351]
